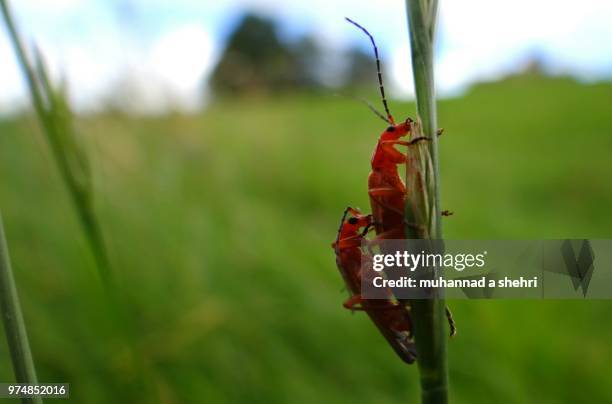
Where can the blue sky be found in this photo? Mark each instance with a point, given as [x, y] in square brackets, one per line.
[161, 50]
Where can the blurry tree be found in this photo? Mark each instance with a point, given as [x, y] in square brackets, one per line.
[256, 60]
[308, 57]
[360, 69]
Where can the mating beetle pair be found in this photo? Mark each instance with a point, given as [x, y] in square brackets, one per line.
[387, 194]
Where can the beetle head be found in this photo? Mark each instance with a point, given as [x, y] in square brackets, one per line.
[357, 220]
[399, 130]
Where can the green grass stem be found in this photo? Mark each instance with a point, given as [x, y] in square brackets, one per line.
[14, 325]
[424, 206]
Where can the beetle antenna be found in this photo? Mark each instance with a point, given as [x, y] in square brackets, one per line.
[376, 112]
[380, 80]
[366, 230]
[369, 105]
[346, 211]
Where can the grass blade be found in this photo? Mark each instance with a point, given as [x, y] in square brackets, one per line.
[55, 116]
[14, 325]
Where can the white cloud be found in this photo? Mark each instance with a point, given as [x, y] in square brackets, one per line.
[483, 39]
[401, 73]
[48, 6]
[181, 59]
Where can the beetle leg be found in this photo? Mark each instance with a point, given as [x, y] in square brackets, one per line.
[348, 242]
[451, 322]
[387, 235]
[377, 194]
[355, 303]
[385, 191]
[413, 141]
[406, 142]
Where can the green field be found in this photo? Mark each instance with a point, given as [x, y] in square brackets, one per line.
[219, 228]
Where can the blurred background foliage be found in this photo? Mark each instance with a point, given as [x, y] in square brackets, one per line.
[219, 225]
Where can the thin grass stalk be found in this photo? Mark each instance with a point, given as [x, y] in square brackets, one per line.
[14, 325]
[55, 118]
[424, 205]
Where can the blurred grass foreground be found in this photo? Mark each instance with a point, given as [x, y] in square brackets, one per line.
[219, 224]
